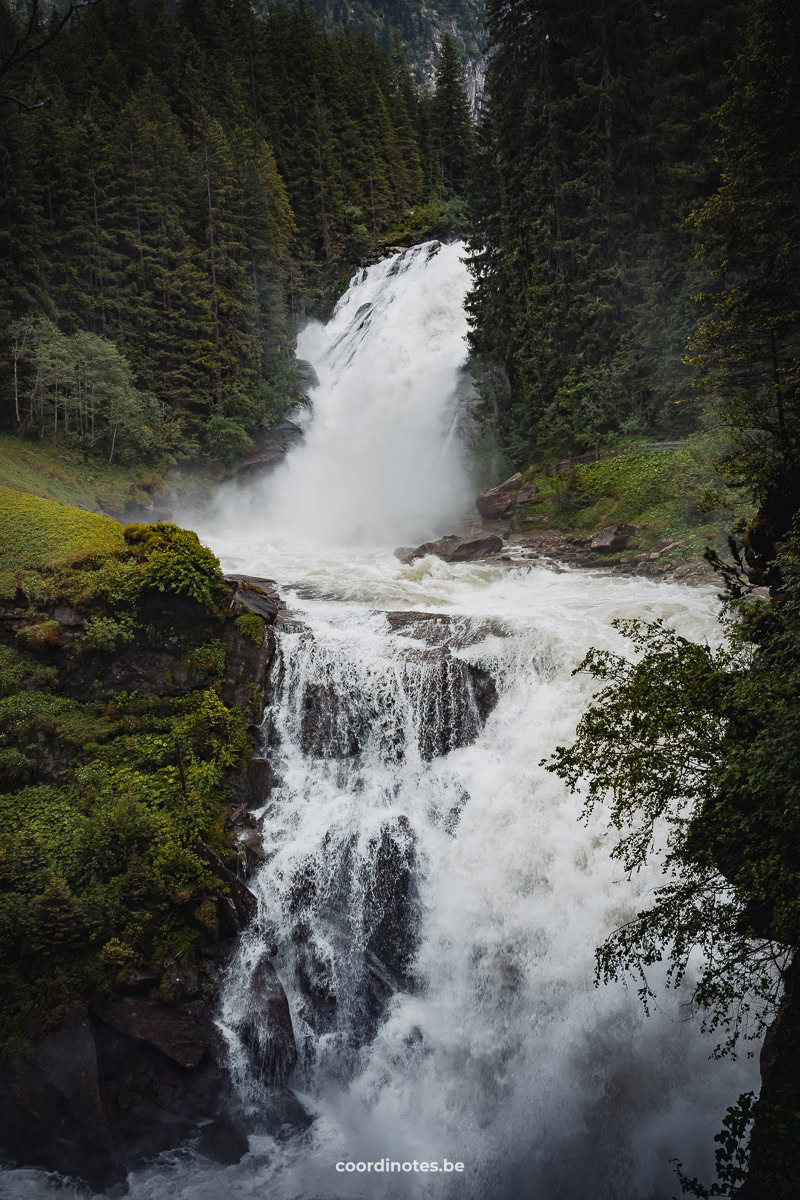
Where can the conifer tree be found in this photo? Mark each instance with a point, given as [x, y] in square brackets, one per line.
[451, 122]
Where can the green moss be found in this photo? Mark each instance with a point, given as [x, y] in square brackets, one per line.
[107, 633]
[20, 670]
[100, 871]
[40, 634]
[40, 535]
[108, 796]
[174, 560]
[251, 626]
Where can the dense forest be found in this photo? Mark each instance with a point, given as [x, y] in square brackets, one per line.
[597, 142]
[168, 217]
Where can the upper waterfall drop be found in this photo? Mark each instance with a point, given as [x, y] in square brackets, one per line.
[381, 462]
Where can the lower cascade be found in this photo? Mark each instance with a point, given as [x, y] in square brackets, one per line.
[418, 983]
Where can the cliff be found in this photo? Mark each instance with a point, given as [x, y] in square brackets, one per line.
[132, 680]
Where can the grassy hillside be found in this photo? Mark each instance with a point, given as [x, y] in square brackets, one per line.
[59, 473]
[39, 534]
[669, 496]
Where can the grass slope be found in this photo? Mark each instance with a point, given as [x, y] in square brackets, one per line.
[39, 534]
[670, 496]
[59, 473]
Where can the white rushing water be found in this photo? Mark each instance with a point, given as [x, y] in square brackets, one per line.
[435, 905]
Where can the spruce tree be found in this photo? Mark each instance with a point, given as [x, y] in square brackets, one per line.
[451, 122]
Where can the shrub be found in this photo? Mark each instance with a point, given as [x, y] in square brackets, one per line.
[251, 626]
[106, 633]
[174, 560]
[44, 633]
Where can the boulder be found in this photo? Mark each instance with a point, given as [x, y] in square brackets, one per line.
[499, 502]
[454, 549]
[181, 1031]
[613, 537]
[443, 629]
[267, 1025]
[254, 594]
[222, 1141]
[251, 850]
[242, 899]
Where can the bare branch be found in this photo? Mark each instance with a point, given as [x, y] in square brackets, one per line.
[23, 105]
[23, 49]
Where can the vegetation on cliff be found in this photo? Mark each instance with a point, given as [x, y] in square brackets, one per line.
[116, 748]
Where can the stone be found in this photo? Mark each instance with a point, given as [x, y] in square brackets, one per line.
[222, 1141]
[67, 1060]
[499, 502]
[256, 595]
[251, 850]
[613, 537]
[267, 1026]
[241, 897]
[275, 445]
[183, 978]
[139, 979]
[180, 1031]
[440, 629]
[453, 548]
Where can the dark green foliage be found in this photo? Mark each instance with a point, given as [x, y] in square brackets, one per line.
[450, 121]
[594, 147]
[696, 751]
[163, 222]
[174, 560]
[251, 626]
[748, 346]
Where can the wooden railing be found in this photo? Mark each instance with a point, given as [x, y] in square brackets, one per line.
[577, 460]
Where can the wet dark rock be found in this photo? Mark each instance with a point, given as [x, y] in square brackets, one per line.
[443, 629]
[273, 447]
[254, 594]
[267, 1028]
[453, 548]
[307, 376]
[139, 979]
[181, 1031]
[93, 1101]
[222, 1140]
[390, 909]
[282, 1115]
[500, 502]
[241, 897]
[251, 850]
[182, 978]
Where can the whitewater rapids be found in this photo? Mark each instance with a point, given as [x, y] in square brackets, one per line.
[499, 1052]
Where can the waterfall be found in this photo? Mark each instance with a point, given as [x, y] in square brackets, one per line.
[379, 464]
[429, 899]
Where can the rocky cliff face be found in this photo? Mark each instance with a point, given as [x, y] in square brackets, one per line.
[96, 1074]
[422, 27]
